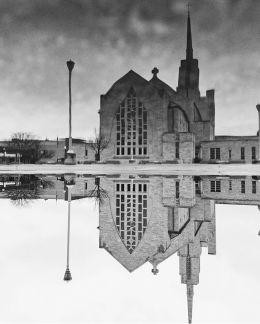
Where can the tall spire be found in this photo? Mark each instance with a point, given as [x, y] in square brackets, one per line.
[189, 49]
[190, 294]
[189, 71]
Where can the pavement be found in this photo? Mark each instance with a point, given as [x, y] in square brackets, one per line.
[151, 169]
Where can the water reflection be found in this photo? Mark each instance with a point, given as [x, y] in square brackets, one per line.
[144, 218]
[150, 219]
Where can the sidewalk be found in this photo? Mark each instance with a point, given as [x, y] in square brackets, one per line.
[152, 169]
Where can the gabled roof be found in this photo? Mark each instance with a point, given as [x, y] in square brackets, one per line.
[130, 77]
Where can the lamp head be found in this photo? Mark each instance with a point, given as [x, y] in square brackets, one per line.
[70, 65]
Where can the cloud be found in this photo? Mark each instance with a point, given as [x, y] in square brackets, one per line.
[106, 38]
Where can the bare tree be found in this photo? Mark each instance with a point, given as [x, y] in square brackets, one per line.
[26, 145]
[98, 145]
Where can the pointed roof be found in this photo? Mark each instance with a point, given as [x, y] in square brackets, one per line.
[189, 49]
[190, 294]
[131, 77]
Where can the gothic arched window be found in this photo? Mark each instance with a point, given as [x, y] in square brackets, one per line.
[131, 127]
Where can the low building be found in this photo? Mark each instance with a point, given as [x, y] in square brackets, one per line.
[230, 149]
[51, 151]
[46, 151]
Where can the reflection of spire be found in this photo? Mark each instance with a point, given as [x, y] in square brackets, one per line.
[189, 284]
[190, 294]
[67, 276]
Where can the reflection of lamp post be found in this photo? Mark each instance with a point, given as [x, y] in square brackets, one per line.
[70, 154]
[67, 276]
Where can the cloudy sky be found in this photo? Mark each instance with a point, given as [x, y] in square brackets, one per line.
[107, 38]
[33, 261]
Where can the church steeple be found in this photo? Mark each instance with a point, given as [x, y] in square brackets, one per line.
[189, 49]
[189, 71]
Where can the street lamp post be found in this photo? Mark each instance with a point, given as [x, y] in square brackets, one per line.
[71, 158]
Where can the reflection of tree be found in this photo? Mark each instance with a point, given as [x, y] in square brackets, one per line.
[98, 192]
[21, 197]
[26, 189]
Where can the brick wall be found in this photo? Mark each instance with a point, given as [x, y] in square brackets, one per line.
[234, 145]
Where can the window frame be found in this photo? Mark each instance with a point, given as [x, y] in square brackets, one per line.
[243, 187]
[242, 153]
[215, 153]
[215, 185]
[253, 152]
[253, 186]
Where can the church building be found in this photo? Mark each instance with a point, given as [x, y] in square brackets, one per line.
[148, 121]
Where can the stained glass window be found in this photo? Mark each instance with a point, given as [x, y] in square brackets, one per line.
[131, 126]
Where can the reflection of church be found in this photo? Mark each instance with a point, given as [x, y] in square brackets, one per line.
[148, 219]
[150, 121]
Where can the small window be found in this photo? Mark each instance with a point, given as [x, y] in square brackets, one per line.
[215, 153]
[253, 153]
[215, 186]
[86, 152]
[197, 186]
[254, 187]
[86, 185]
[243, 186]
[230, 185]
[197, 152]
[242, 153]
[229, 154]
